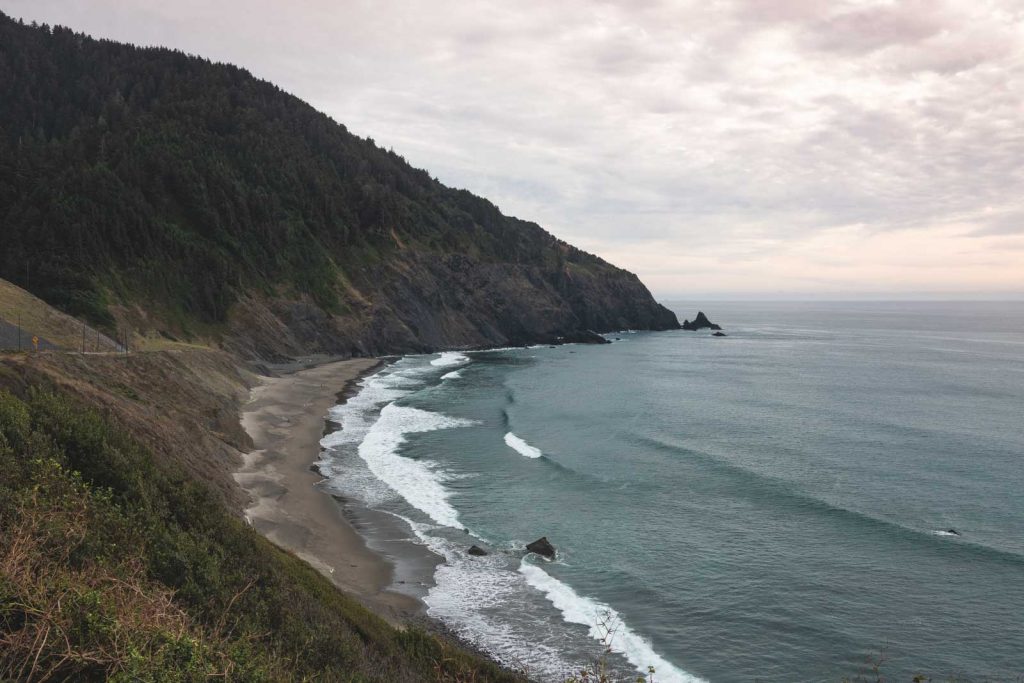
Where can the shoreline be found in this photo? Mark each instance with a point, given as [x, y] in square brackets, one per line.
[286, 417]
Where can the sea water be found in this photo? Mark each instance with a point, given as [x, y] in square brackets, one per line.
[773, 505]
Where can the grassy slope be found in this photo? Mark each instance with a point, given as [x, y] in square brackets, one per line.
[121, 566]
[181, 404]
[48, 323]
[124, 556]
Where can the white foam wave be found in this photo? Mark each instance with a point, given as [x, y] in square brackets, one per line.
[449, 358]
[356, 416]
[521, 447]
[599, 617]
[471, 595]
[940, 532]
[419, 482]
[454, 374]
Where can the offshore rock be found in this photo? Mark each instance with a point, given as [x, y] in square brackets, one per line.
[701, 322]
[542, 547]
[719, 334]
[476, 550]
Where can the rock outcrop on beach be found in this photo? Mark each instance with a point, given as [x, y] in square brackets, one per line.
[477, 551]
[542, 547]
[701, 322]
[199, 203]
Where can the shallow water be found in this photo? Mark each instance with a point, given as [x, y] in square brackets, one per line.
[770, 505]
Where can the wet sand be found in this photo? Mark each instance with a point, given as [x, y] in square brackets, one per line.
[285, 418]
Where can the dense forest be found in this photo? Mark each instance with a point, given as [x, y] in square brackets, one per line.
[220, 204]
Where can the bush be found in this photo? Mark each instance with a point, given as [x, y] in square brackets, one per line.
[115, 567]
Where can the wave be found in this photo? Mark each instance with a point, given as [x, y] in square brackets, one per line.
[454, 374]
[449, 358]
[419, 482]
[499, 349]
[355, 418]
[472, 596]
[781, 491]
[600, 619]
[357, 414]
[521, 447]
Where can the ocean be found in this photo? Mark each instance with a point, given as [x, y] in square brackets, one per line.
[829, 486]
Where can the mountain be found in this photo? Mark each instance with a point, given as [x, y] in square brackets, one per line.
[188, 199]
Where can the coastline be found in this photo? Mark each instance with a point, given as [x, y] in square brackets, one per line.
[361, 551]
[285, 417]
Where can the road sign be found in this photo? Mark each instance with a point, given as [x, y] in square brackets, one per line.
[35, 342]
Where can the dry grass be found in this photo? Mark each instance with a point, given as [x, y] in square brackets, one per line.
[39, 318]
[118, 566]
[182, 404]
[67, 615]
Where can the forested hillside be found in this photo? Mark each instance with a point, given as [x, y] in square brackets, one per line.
[191, 199]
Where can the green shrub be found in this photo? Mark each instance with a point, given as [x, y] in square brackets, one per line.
[116, 567]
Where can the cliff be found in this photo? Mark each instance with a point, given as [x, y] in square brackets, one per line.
[190, 200]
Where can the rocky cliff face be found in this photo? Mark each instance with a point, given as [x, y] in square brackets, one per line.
[148, 188]
[418, 302]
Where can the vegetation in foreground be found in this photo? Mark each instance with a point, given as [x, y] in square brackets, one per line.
[117, 567]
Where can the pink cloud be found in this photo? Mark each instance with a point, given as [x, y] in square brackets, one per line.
[875, 28]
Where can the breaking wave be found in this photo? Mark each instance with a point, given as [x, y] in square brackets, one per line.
[521, 447]
[602, 619]
[419, 482]
[449, 358]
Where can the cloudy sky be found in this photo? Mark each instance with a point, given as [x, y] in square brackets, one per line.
[732, 148]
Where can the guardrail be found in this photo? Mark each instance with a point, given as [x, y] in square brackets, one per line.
[14, 336]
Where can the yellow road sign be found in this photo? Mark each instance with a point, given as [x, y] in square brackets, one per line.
[35, 342]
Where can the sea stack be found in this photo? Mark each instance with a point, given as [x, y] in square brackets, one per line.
[701, 322]
[542, 547]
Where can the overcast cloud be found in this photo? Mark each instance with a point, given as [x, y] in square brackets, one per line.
[729, 147]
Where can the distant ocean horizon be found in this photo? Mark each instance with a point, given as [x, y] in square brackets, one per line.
[831, 484]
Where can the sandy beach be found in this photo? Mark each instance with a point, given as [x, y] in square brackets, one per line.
[285, 418]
